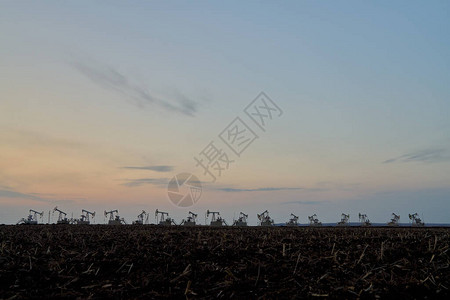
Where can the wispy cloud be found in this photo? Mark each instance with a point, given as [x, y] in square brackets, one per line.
[338, 186]
[428, 156]
[12, 194]
[27, 138]
[143, 181]
[34, 196]
[264, 189]
[152, 168]
[42, 195]
[111, 79]
[304, 202]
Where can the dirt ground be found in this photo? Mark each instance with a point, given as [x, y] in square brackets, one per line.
[100, 261]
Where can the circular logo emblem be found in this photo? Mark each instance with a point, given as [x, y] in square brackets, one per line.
[184, 189]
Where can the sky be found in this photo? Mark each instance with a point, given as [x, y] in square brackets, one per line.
[103, 102]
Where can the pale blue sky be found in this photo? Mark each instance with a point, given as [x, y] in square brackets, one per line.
[88, 87]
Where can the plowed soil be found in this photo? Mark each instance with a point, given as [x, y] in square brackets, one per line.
[99, 261]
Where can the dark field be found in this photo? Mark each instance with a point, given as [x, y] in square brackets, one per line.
[98, 261]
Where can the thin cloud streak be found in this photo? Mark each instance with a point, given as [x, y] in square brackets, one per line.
[12, 194]
[152, 168]
[111, 79]
[32, 196]
[427, 156]
[307, 202]
[266, 189]
[28, 138]
[143, 181]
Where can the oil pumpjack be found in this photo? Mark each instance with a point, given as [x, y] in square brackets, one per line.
[85, 218]
[142, 218]
[164, 220]
[416, 221]
[395, 220]
[32, 218]
[314, 221]
[216, 219]
[114, 218]
[191, 220]
[62, 216]
[364, 220]
[264, 219]
[344, 220]
[242, 220]
[293, 221]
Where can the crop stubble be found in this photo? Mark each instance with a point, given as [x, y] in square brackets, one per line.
[101, 261]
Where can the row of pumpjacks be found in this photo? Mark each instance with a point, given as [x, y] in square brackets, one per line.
[162, 218]
[32, 218]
